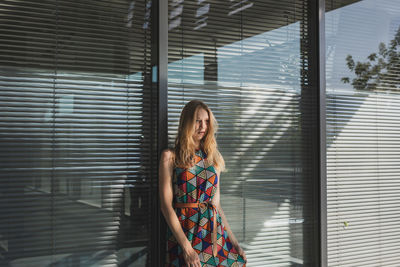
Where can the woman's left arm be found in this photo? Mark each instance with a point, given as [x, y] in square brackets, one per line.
[216, 202]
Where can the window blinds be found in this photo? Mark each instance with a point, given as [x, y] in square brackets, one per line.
[245, 59]
[75, 126]
[363, 144]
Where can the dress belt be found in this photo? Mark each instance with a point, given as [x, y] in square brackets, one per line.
[204, 205]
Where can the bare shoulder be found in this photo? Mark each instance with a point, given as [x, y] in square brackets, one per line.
[167, 155]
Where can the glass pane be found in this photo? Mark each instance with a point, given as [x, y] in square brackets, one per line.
[248, 61]
[363, 144]
[75, 186]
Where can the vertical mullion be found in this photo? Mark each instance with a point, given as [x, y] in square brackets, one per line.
[160, 27]
[314, 131]
[322, 134]
[162, 70]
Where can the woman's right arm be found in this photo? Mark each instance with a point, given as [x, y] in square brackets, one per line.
[166, 200]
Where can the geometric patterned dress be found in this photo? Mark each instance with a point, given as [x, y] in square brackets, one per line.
[201, 222]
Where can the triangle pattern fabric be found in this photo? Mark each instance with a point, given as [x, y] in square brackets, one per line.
[198, 184]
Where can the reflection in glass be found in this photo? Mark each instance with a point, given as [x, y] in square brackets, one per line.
[363, 66]
[75, 126]
[249, 64]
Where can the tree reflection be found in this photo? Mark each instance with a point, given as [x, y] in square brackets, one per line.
[381, 71]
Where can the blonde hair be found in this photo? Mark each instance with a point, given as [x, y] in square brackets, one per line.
[184, 144]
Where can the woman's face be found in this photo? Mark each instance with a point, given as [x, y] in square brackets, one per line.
[201, 125]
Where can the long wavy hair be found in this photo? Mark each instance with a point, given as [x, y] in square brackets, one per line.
[184, 144]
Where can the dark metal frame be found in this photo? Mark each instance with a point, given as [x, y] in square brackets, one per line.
[312, 108]
[160, 28]
[317, 145]
[323, 228]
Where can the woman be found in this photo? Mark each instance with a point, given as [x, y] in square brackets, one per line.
[198, 233]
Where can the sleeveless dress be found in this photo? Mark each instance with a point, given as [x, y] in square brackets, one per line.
[198, 184]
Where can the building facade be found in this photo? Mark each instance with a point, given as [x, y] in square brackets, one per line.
[305, 92]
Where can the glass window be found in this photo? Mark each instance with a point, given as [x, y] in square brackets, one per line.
[75, 179]
[248, 61]
[363, 145]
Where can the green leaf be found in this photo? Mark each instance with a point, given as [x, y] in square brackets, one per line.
[345, 80]
[372, 57]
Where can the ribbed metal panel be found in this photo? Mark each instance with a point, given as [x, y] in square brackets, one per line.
[363, 141]
[244, 59]
[75, 158]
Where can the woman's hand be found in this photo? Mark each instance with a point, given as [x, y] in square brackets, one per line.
[191, 258]
[240, 251]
